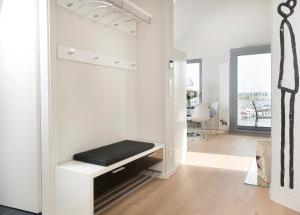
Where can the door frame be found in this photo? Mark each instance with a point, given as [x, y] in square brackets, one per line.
[233, 83]
[48, 96]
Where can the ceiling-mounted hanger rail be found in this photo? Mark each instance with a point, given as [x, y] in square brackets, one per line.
[134, 10]
[85, 3]
[119, 14]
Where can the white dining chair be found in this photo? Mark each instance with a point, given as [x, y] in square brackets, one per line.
[201, 116]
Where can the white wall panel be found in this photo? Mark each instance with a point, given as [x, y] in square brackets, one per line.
[20, 173]
[96, 104]
[155, 103]
[284, 195]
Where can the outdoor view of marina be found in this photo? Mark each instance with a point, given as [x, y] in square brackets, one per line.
[254, 109]
[254, 91]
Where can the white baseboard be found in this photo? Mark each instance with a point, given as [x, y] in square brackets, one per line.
[168, 174]
[286, 201]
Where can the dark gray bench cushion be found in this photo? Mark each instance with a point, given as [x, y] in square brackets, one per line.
[110, 154]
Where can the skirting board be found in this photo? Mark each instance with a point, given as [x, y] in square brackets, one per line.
[76, 55]
[284, 200]
[168, 174]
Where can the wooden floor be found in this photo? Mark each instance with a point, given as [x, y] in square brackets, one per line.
[196, 190]
[226, 144]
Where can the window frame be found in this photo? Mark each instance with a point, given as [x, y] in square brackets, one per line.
[233, 83]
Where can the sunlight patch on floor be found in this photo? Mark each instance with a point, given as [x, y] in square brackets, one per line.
[228, 162]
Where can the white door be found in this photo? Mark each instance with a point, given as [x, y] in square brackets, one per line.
[20, 171]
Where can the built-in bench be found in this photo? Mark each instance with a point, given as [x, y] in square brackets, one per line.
[87, 189]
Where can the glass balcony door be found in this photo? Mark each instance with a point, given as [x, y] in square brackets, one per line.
[251, 89]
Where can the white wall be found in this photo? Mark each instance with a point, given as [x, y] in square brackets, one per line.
[215, 27]
[169, 87]
[96, 105]
[150, 57]
[182, 23]
[284, 196]
[154, 50]
[224, 97]
[20, 173]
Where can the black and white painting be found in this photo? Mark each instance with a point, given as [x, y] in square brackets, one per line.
[288, 84]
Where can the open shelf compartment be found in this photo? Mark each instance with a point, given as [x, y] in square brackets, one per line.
[114, 186]
[121, 191]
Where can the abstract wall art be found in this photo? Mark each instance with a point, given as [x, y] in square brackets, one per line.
[288, 83]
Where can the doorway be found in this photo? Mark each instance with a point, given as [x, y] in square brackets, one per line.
[250, 89]
[194, 81]
[193, 91]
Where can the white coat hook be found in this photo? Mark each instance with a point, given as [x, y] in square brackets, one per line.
[94, 58]
[71, 51]
[116, 19]
[70, 4]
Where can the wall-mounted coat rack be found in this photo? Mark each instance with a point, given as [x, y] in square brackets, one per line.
[120, 14]
[72, 54]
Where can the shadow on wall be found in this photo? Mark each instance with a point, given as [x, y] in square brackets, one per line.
[1, 4]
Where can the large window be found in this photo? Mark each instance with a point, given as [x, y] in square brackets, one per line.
[193, 80]
[251, 89]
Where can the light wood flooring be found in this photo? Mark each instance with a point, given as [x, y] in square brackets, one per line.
[198, 190]
[226, 144]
